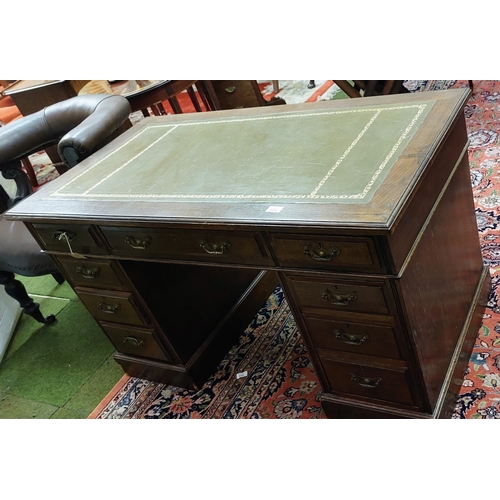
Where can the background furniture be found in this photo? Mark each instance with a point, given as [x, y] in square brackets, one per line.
[79, 126]
[276, 86]
[388, 290]
[234, 94]
[144, 94]
[367, 88]
[31, 96]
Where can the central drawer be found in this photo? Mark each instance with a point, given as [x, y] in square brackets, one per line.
[211, 246]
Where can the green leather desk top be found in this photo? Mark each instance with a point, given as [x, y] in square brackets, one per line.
[339, 161]
[319, 156]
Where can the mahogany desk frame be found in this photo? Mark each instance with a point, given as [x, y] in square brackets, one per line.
[388, 310]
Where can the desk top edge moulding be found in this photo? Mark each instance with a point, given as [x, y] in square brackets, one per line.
[175, 233]
[326, 163]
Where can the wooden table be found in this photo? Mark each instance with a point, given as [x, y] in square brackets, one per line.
[175, 233]
[31, 96]
[143, 94]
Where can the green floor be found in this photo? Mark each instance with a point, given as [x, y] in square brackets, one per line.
[62, 370]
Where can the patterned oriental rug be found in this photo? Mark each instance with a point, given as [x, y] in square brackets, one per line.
[269, 374]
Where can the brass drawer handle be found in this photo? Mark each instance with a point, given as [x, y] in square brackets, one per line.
[214, 249]
[134, 341]
[369, 383]
[339, 299]
[108, 308]
[139, 243]
[351, 339]
[87, 273]
[321, 254]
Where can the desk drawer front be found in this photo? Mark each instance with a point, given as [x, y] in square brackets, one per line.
[314, 293]
[68, 238]
[92, 272]
[368, 381]
[135, 341]
[326, 252]
[119, 307]
[353, 337]
[210, 246]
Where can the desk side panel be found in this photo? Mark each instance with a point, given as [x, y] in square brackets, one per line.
[413, 217]
[439, 283]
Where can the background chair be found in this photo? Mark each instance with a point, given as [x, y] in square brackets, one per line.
[79, 126]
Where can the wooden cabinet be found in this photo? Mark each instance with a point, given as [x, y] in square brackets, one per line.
[175, 234]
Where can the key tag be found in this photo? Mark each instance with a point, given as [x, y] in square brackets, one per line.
[64, 236]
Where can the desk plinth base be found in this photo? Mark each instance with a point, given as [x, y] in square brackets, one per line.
[342, 407]
[203, 363]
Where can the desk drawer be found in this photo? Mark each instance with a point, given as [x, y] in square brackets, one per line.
[78, 239]
[119, 307]
[321, 293]
[368, 381]
[92, 272]
[358, 338]
[210, 246]
[135, 341]
[326, 252]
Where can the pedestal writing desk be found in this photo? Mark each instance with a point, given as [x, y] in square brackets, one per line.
[175, 233]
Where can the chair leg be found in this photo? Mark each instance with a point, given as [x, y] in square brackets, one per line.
[29, 170]
[59, 278]
[16, 290]
[194, 99]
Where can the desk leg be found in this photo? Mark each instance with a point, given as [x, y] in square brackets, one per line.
[56, 159]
